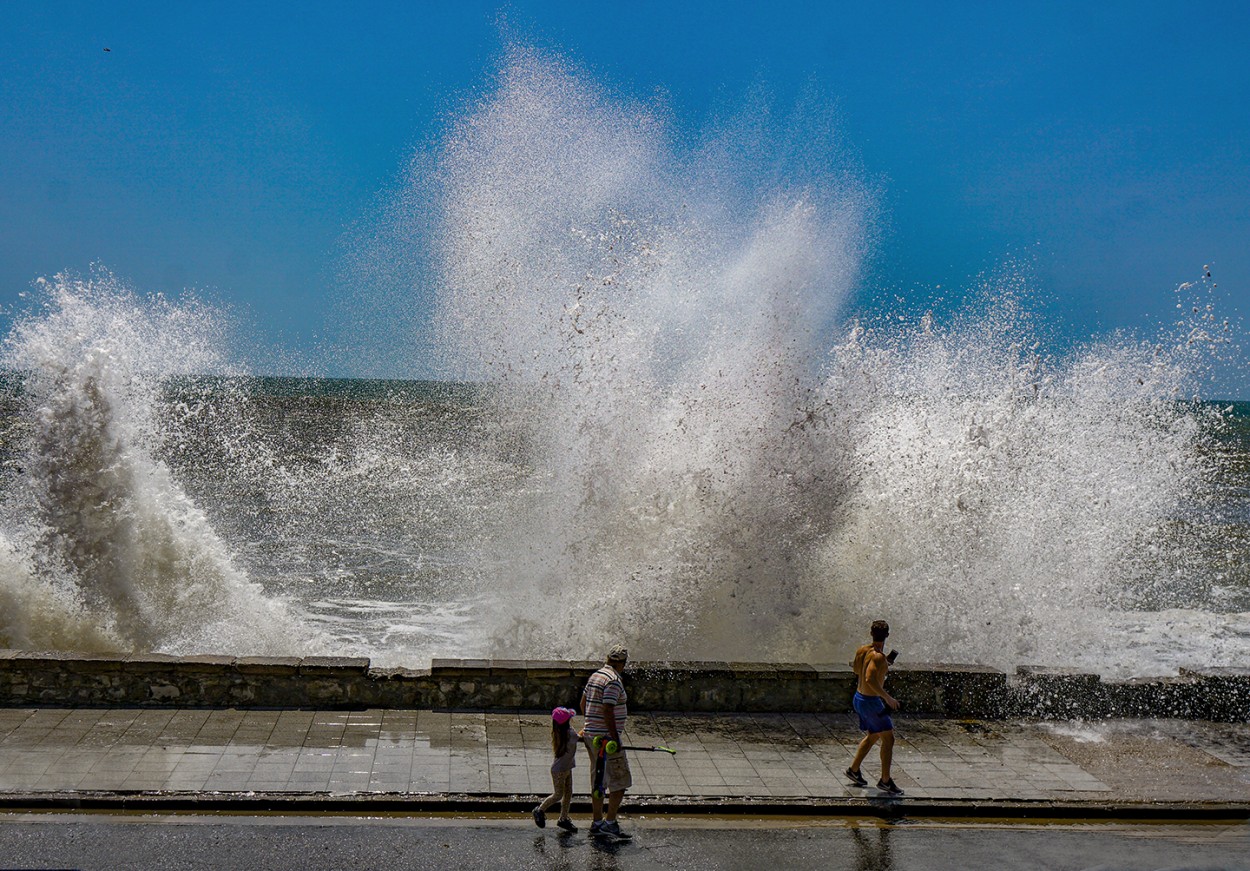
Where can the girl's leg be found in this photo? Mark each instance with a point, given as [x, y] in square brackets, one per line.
[556, 789]
[566, 797]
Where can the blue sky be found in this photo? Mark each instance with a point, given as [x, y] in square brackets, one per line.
[228, 147]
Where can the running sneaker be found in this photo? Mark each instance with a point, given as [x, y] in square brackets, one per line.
[567, 825]
[596, 826]
[540, 818]
[889, 786]
[856, 777]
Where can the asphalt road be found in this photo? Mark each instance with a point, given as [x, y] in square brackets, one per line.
[101, 842]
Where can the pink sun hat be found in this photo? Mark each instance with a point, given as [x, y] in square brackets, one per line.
[562, 715]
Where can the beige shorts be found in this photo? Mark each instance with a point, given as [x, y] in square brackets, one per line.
[616, 775]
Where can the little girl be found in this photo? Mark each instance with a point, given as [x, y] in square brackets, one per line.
[564, 747]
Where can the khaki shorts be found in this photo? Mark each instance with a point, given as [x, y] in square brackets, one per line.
[616, 774]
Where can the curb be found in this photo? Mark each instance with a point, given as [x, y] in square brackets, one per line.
[462, 803]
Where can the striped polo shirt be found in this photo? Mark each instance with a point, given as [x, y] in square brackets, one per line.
[605, 688]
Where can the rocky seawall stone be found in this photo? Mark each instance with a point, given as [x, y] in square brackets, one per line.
[961, 691]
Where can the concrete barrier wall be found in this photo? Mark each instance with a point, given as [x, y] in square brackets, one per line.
[156, 680]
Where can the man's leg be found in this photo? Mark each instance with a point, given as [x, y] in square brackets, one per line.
[861, 752]
[614, 803]
[618, 780]
[887, 754]
[596, 801]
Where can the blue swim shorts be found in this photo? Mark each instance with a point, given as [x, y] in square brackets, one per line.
[872, 713]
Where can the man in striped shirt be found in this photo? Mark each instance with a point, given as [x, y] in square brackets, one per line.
[604, 705]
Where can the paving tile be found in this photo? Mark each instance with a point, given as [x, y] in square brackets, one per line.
[433, 751]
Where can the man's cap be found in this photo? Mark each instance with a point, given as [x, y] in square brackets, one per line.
[618, 653]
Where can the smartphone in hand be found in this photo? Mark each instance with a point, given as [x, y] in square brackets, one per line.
[891, 656]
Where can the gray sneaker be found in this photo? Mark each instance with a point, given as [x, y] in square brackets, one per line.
[612, 829]
[889, 786]
[567, 825]
[540, 818]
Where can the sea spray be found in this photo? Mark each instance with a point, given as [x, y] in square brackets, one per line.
[1010, 506]
[652, 327]
[679, 433]
[37, 613]
[106, 522]
[715, 477]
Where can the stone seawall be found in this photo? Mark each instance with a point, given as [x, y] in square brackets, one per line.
[965, 691]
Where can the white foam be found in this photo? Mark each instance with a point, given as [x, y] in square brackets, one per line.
[138, 565]
[693, 445]
[717, 478]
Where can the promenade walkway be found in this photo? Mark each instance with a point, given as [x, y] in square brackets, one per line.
[774, 762]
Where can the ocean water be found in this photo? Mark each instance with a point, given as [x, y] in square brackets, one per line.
[394, 519]
[664, 420]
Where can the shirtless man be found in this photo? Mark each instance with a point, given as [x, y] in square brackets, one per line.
[871, 702]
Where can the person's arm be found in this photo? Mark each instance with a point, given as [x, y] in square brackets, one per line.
[609, 717]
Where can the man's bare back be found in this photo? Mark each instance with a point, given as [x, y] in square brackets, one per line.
[871, 666]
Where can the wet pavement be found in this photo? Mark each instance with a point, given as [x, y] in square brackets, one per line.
[104, 842]
[774, 761]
